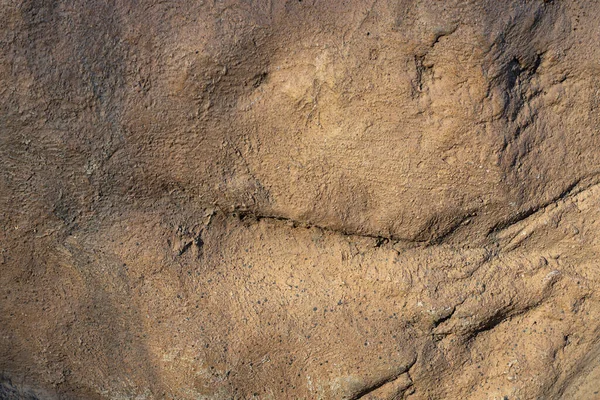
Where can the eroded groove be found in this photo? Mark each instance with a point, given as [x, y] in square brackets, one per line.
[369, 390]
[569, 192]
[379, 239]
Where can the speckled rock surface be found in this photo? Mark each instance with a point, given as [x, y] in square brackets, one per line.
[299, 199]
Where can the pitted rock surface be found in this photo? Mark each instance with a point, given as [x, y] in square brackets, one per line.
[301, 199]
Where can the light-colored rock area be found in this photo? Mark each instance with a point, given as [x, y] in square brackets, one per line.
[300, 199]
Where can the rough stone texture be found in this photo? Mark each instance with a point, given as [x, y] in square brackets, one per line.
[302, 199]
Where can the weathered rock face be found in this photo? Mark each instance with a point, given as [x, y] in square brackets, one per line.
[300, 199]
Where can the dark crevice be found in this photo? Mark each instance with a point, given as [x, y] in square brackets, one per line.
[491, 323]
[444, 318]
[418, 85]
[380, 240]
[185, 248]
[442, 33]
[378, 385]
[371, 389]
[569, 191]
[258, 79]
[450, 230]
[503, 315]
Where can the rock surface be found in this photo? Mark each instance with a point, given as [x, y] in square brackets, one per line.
[272, 199]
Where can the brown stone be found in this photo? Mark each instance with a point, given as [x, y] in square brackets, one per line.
[299, 199]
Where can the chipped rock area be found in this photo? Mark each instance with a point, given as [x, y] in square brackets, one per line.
[271, 199]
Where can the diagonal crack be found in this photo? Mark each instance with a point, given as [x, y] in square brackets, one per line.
[383, 382]
[570, 191]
